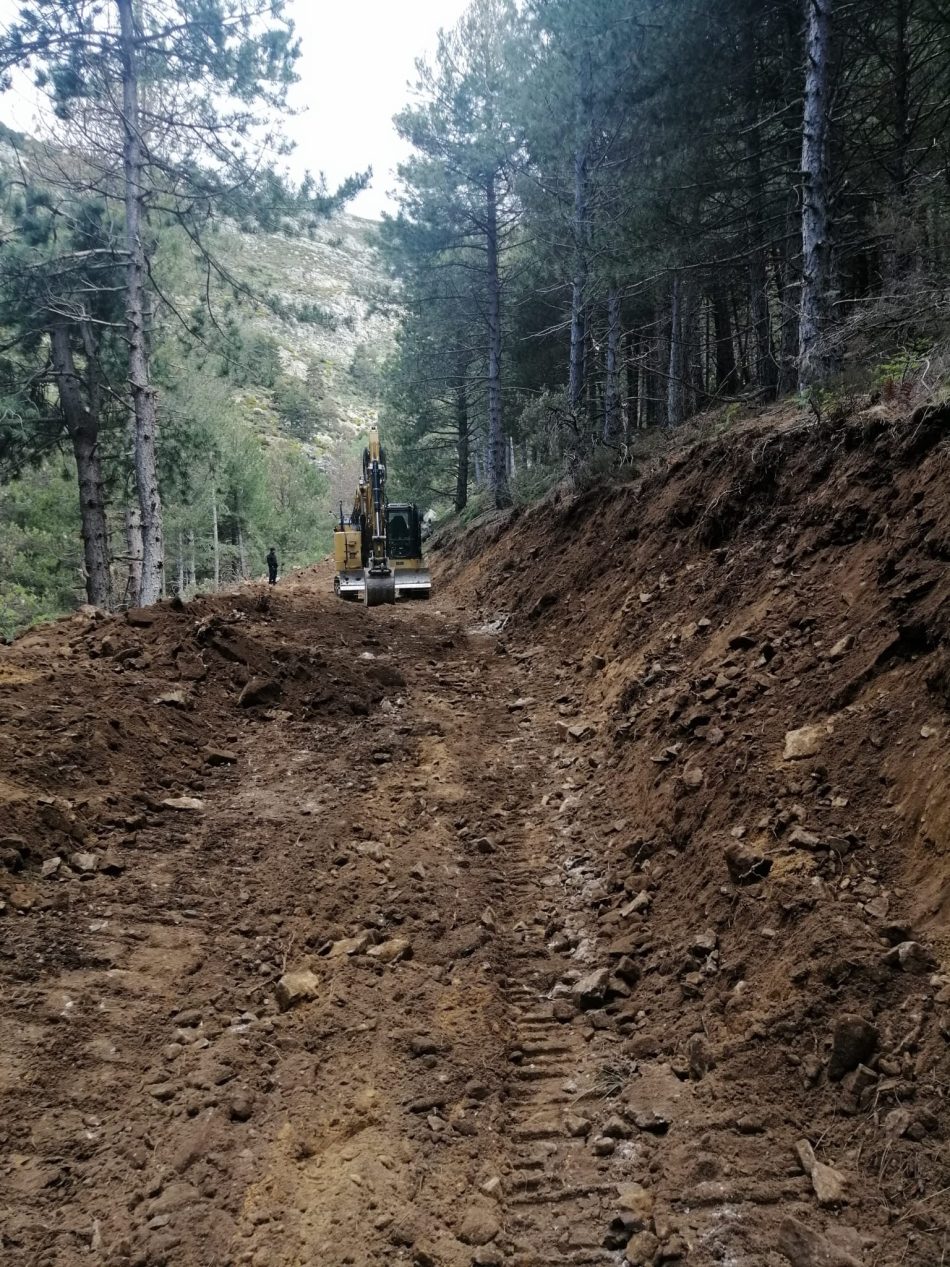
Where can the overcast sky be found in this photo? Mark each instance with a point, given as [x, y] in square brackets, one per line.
[357, 58]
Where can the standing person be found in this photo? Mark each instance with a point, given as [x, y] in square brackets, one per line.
[272, 565]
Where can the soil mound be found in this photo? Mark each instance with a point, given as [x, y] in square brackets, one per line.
[107, 719]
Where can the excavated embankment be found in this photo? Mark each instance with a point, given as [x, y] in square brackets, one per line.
[750, 653]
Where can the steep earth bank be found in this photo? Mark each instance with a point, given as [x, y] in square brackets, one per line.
[604, 923]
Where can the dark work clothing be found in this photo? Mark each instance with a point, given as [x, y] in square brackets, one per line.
[272, 567]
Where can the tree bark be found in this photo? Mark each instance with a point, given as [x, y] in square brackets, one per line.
[192, 578]
[215, 544]
[496, 432]
[814, 362]
[142, 391]
[133, 545]
[181, 564]
[461, 419]
[576, 369]
[675, 393]
[82, 424]
[725, 348]
[612, 385]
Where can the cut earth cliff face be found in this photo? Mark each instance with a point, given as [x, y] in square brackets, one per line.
[749, 651]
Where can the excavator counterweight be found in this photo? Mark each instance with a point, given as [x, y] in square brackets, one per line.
[378, 547]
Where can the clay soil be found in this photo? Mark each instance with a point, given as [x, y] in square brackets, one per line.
[594, 912]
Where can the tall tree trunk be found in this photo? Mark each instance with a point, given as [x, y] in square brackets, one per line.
[496, 429]
[675, 388]
[181, 564]
[143, 394]
[813, 357]
[580, 229]
[133, 545]
[461, 419]
[766, 370]
[82, 423]
[725, 348]
[612, 384]
[192, 569]
[215, 543]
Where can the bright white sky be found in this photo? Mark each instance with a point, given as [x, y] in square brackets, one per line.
[357, 61]
[358, 58]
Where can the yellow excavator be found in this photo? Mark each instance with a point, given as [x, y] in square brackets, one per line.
[378, 548]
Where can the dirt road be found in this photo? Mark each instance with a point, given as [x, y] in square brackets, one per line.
[328, 943]
[416, 864]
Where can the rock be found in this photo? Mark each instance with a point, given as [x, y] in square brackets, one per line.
[141, 617]
[699, 1056]
[184, 804]
[220, 756]
[518, 705]
[50, 867]
[260, 692]
[241, 1108]
[478, 1227]
[858, 1080]
[673, 1251]
[805, 1247]
[744, 641]
[636, 1203]
[853, 1041]
[391, 951]
[580, 732]
[896, 1123]
[176, 698]
[827, 1182]
[487, 1256]
[805, 742]
[748, 1124]
[704, 943]
[84, 863]
[577, 1127]
[638, 905]
[803, 839]
[878, 907]
[350, 946]
[112, 863]
[591, 991]
[642, 1249]
[693, 777]
[543, 603]
[297, 987]
[841, 647]
[616, 1128]
[603, 1146]
[651, 1121]
[746, 866]
[163, 1091]
[423, 1045]
[910, 956]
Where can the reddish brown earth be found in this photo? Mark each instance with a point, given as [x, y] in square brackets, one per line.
[531, 1012]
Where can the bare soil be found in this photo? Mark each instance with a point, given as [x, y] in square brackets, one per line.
[594, 912]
